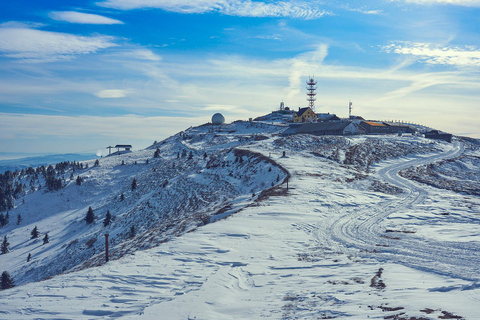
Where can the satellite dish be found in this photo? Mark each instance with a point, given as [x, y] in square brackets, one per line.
[218, 118]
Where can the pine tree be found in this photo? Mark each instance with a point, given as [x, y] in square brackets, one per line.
[122, 197]
[45, 239]
[79, 181]
[134, 184]
[7, 281]
[190, 155]
[29, 257]
[97, 163]
[5, 244]
[90, 217]
[108, 219]
[34, 233]
[2, 219]
[19, 219]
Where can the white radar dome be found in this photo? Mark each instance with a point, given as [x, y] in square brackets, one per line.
[218, 118]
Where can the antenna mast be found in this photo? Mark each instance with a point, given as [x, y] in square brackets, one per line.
[311, 87]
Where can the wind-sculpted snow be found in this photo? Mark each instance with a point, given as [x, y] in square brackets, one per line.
[345, 241]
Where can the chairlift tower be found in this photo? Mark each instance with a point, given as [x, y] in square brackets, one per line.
[311, 87]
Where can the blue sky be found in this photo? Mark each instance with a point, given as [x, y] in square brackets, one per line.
[79, 76]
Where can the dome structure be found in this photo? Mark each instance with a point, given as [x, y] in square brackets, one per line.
[218, 118]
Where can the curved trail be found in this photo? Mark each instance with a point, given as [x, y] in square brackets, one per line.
[363, 228]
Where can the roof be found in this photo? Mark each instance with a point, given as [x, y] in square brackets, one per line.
[301, 111]
[322, 127]
[374, 124]
[123, 146]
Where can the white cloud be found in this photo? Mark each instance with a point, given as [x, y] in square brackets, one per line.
[437, 54]
[40, 46]
[82, 18]
[242, 8]
[466, 3]
[111, 94]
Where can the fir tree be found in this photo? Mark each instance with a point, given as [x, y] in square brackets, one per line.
[134, 184]
[7, 281]
[108, 219]
[2, 219]
[5, 244]
[7, 218]
[79, 181]
[132, 231]
[157, 153]
[90, 217]
[97, 163]
[190, 155]
[34, 233]
[29, 257]
[19, 219]
[45, 239]
[122, 197]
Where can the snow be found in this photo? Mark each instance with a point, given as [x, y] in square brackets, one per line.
[312, 251]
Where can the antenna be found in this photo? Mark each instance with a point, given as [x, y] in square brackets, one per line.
[311, 87]
[350, 109]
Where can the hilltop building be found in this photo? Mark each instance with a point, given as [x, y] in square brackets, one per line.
[304, 115]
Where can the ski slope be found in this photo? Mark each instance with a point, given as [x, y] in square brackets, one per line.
[310, 252]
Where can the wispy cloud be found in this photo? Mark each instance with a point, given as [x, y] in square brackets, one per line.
[242, 8]
[34, 45]
[437, 54]
[111, 93]
[82, 18]
[466, 3]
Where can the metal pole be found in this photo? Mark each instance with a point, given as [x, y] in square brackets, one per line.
[106, 247]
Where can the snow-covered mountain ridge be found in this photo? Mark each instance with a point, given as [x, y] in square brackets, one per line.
[344, 197]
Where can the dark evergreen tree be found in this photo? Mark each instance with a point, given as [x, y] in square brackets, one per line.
[147, 161]
[29, 257]
[34, 233]
[5, 244]
[97, 163]
[2, 220]
[122, 197]
[46, 239]
[79, 181]
[108, 219]
[132, 231]
[71, 176]
[134, 184]
[90, 217]
[157, 153]
[184, 153]
[123, 162]
[7, 281]
[7, 218]
[178, 155]
[19, 219]
[205, 155]
[190, 155]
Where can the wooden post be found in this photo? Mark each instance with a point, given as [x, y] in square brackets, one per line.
[106, 247]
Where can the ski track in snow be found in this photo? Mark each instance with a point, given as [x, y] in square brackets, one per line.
[362, 229]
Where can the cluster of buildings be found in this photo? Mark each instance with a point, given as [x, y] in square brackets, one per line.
[307, 121]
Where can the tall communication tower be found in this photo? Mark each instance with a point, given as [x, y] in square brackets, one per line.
[311, 87]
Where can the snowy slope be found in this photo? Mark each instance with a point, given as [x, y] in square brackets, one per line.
[350, 238]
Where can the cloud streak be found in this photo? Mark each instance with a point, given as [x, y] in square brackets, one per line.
[241, 8]
[34, 45]
[82, 18]
[436, 54]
